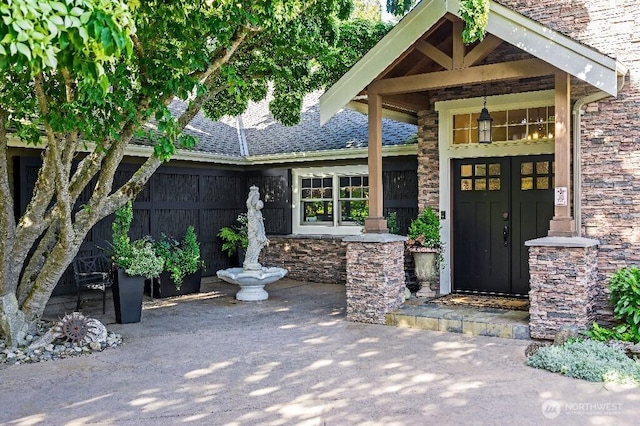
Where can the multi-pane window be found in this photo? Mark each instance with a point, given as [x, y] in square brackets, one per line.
[354, 198]
[334, 200]
[510, 125]
[316, 199]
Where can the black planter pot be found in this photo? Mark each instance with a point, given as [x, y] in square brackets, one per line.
[240, 254]
[127, 297]
[164, 286]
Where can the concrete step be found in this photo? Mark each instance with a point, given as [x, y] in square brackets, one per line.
[461, 319]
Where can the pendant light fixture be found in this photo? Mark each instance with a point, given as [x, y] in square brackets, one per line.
[485, 125]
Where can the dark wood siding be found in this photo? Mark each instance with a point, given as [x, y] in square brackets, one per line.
[175, 198]
[400, 183]
[210, 198]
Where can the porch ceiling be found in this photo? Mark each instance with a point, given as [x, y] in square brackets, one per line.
[425, 52]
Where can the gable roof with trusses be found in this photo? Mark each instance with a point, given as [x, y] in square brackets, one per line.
[425, 51]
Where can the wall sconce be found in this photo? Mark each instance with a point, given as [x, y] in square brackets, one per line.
[485, 127]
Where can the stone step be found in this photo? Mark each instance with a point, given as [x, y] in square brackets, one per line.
[460, 319]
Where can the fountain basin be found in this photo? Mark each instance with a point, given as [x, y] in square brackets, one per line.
[251, 282]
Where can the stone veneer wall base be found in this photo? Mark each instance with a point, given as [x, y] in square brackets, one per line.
[564, 284]
[308, 258]
[375, 276]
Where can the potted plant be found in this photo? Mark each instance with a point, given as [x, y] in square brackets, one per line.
[424, 243]
[235, 238]
[182, 265]
[134, 262]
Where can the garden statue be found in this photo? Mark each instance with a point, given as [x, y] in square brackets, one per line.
[255, 230]
[252, 277]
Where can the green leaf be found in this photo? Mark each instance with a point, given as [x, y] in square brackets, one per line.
[24, 24]
[50, 59]
[57, 20]
[84, 18]
[24, 49]
[82, 31]
[105, 38]
[104, 83]
[59, 7]
[22, 36]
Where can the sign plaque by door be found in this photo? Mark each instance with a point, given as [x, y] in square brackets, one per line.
[561, 196]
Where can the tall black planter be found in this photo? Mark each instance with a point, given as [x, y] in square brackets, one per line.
[127, 297]
[240, 252]
[164, 286]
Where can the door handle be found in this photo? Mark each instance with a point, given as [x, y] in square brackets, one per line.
[505, 235]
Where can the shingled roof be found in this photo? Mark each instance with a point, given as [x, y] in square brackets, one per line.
[256, 132]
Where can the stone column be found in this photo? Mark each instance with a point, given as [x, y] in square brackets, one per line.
[375, 276]
[564, 285]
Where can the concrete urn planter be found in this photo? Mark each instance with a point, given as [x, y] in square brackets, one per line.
[426, 269]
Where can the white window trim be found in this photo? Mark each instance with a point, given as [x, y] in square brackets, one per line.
[327, 229]
[448, 151]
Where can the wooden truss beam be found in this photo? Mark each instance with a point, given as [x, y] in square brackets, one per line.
[459, 77]
[435, 54]
[482, 50]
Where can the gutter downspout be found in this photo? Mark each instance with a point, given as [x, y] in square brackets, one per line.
[577, 150]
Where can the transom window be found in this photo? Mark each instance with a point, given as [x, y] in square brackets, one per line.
[510, 125]
[331, 200]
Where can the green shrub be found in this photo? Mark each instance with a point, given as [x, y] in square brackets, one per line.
[180, 258]
[587, 360]
[121, 252]
[624, 285]
[625, 298]
[425, 230]
[138, 257]
[235, 235]
[392, 223]
[144, 261]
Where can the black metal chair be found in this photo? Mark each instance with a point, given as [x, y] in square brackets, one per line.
[94, 273]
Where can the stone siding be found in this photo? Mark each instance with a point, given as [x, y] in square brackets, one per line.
[375, 279]
[610, 135]
[563, 289]
[320, 259]
[610, 148]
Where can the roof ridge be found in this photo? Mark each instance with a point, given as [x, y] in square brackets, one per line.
[242, 138]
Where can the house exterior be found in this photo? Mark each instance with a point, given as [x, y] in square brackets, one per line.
[207, 187]
[547, 210]
[551, 207]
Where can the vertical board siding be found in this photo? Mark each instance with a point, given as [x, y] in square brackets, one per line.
[222, 189]
[400, 183]
[209, 199]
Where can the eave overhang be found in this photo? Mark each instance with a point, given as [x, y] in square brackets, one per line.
[558, 50]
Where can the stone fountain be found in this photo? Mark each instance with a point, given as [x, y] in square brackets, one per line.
[252, 277]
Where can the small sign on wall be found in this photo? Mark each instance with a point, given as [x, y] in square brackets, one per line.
[561, 196]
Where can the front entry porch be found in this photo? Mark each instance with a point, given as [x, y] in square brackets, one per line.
[475, 321]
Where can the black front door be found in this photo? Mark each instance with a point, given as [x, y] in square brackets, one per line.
[499, 203]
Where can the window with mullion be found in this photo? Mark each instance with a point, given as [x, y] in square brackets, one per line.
[316, 199]
[353, 199]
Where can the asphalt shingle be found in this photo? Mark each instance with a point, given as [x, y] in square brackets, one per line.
[264, 135]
